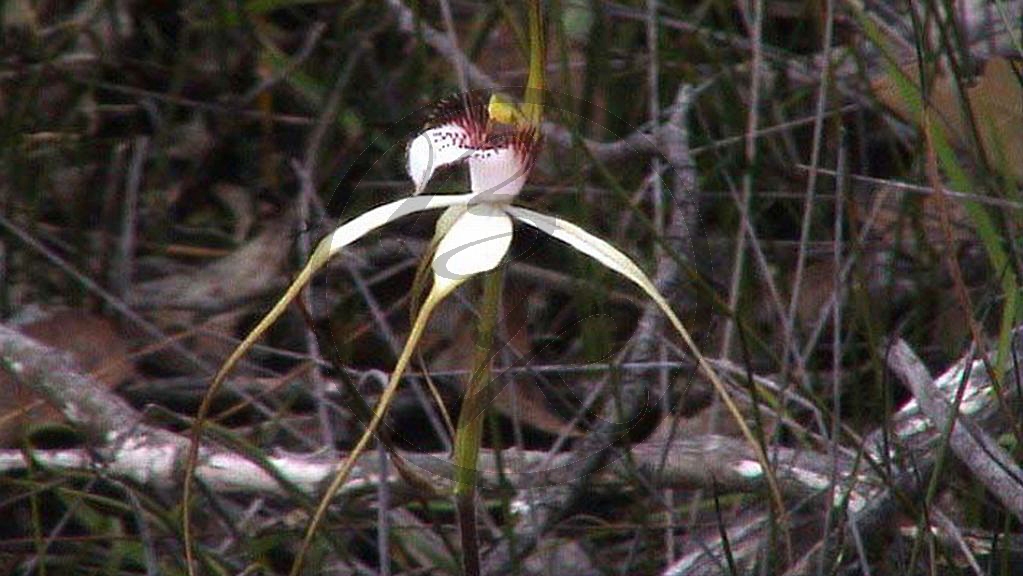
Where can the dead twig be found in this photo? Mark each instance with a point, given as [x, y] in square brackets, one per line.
[972, 445]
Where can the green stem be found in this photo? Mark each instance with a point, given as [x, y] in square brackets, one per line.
[470, 423]
[533, 98]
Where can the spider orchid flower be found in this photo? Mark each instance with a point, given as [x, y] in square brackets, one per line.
[499, 143]
[473, 235]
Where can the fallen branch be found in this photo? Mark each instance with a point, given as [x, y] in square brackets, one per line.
[698, 462]
[123, 446]
[53, 374]
[972, 445]
[126, 448]
[907, 449]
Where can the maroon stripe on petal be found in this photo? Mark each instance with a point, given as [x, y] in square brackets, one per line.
[527, 143]
[466, 111]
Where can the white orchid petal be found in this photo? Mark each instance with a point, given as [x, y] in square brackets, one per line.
[475, 243]
[498, 171]
[377, 217]
[446, 144]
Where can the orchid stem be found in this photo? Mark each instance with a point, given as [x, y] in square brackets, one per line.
[470, 423]
[535, 85]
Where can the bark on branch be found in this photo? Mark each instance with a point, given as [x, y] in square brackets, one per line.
[971, 444]
[900, 461]
[123, 446]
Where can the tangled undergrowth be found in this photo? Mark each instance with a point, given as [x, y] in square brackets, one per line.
[779, 170]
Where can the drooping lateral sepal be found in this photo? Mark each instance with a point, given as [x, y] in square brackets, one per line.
[328, 247]
[615, 260]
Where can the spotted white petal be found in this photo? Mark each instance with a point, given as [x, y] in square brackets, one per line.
[446, 144]
[475, 243]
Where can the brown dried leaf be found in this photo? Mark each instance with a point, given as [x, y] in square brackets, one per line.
[206, 300]
[995, 98]
[245, 273]
[97, 348]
